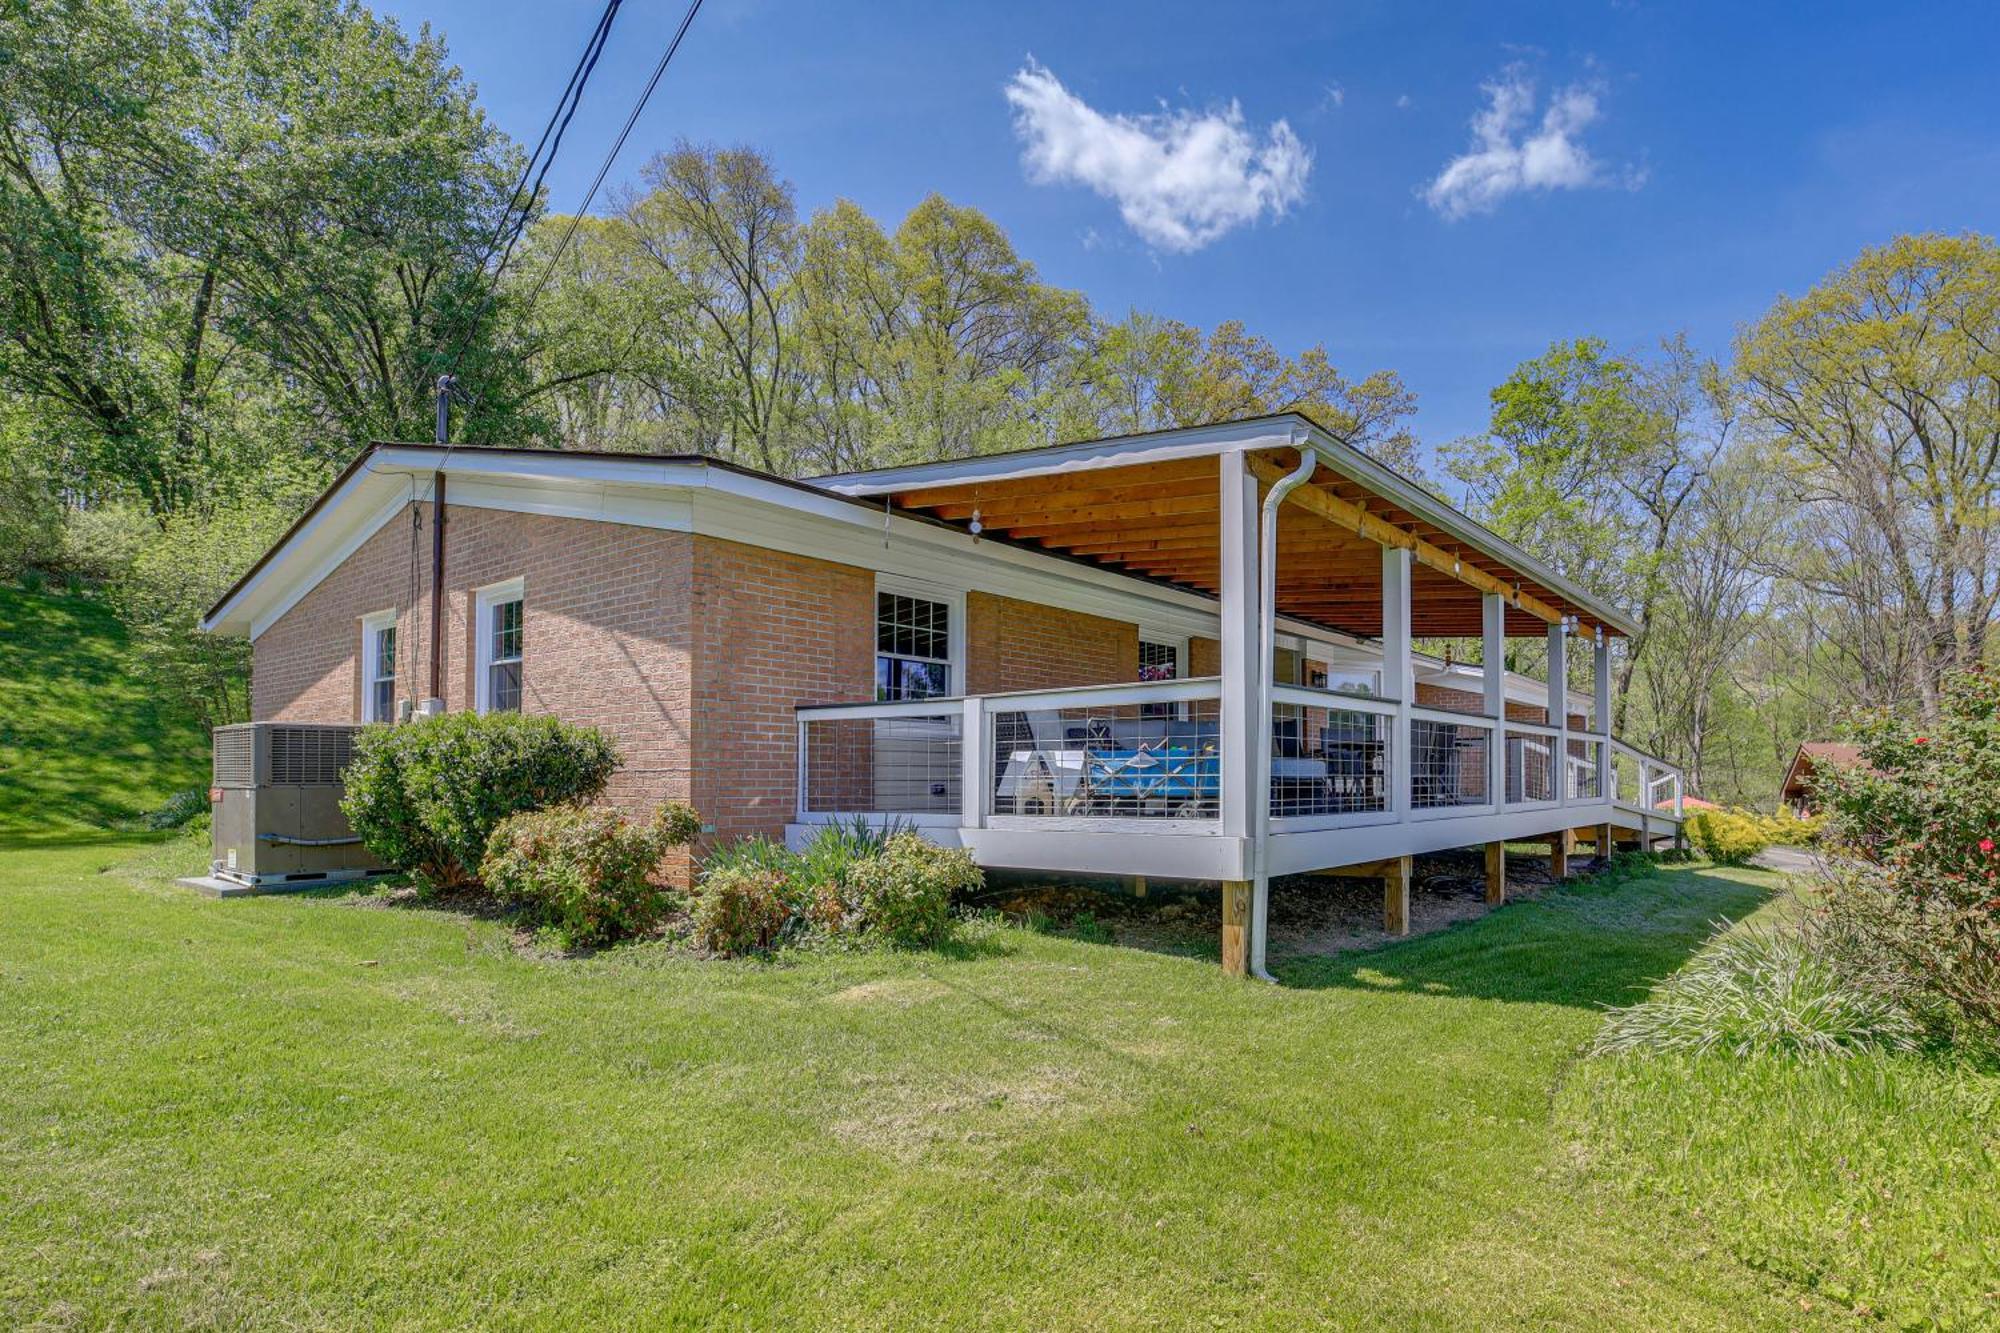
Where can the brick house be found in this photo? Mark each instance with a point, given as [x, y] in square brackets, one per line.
[1051, 657]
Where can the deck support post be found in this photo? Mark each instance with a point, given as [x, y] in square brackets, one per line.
[1559, 709]
[1559, 850]
[1601, 708]
[1240, 725]
[1396, 895]
[1496, 873]
[1236, 927]
[1493, 657]
[1137, 884]
[1606, 846]
[1398, 679]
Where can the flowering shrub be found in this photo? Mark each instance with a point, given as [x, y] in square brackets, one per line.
[1924, 808]
[742, 907]
[585, 873]
[1726, 837]
[902, 895]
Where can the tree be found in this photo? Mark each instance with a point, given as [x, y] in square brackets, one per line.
[236, 230]
[1882, 384]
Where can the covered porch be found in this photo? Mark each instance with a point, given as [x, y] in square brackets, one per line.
[1324, 739]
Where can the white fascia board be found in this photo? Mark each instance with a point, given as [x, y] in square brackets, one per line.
[1391, 485]
[349, 517]
[1088, 455]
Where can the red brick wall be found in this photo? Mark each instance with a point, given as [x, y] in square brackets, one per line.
[304, 667]
[605, 632]
[771, 631]
[1204, 657]
[1016, 645]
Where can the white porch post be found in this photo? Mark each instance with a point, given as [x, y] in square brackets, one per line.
[1398, 680]
[1239, 641]
[1600, 676]
[975, 772]
[1493, 654]
[1559, 707]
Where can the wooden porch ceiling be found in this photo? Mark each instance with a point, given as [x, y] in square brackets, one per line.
[1163, 520]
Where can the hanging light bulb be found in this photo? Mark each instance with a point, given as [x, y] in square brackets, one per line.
[977, 526]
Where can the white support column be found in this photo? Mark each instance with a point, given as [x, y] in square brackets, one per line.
[1239, 646]
[1493, 653]
[1559, 707]
[1600, 723]
[1398, 680]
[975, 772]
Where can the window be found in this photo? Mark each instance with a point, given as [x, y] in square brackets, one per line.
[1160, 659]
[500, 644]
[915, 636]
[378, 667]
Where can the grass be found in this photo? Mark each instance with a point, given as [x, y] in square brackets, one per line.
[1869, 1179]
[310, 1110]
[82, 745]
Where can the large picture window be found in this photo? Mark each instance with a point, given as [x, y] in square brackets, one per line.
[378, 667]
[913, 646]
[500, 631]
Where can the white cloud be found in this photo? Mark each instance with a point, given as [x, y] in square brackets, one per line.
[1334, 98]
[1180, 179]
[1402, 101]
[1507, 156]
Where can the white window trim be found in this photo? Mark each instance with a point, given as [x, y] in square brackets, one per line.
[954, 600]
[371, 632]
[492, 595]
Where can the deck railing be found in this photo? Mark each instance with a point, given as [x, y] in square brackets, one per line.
[1121, 756]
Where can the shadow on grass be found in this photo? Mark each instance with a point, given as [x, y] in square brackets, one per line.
[1600, 942]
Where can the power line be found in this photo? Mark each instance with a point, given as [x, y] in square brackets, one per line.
[604, 169]
[520, 205]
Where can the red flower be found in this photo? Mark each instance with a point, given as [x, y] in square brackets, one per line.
[1923, 740]
[1986, 845]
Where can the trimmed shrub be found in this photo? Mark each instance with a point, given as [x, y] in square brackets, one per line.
[902, 895]
[1725, 837]
[742, 906]
[426, 796]
[585, 872]
[1754, 991]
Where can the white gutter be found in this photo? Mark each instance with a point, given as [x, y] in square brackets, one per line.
[1267, 633]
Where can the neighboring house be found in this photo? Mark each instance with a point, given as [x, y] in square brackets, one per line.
[1050, 657]
[1814, 757]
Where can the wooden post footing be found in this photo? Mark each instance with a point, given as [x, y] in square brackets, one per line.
[1496, 873]
[1236, 927]
[1396, 895]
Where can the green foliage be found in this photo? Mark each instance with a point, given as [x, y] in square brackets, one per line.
[903, 894]
[585, 872]
[183, 567]
[1924, 805]
[178, 810]
[1726, 837]
[1760, 990]
[425, 796]
[742, 906]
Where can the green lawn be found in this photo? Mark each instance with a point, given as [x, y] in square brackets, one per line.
[310, 1111]
[81, 743]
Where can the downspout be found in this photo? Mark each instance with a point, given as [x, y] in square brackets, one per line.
[436, 697]
[1267, 639]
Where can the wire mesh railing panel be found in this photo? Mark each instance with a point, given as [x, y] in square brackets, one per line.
[1109, 761]
[883, 765]
[1530, 767]
[1585, 777]
[1628, 780]
[1328, 761]
[1448, 764]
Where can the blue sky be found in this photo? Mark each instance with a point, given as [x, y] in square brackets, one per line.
[1645, 167]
